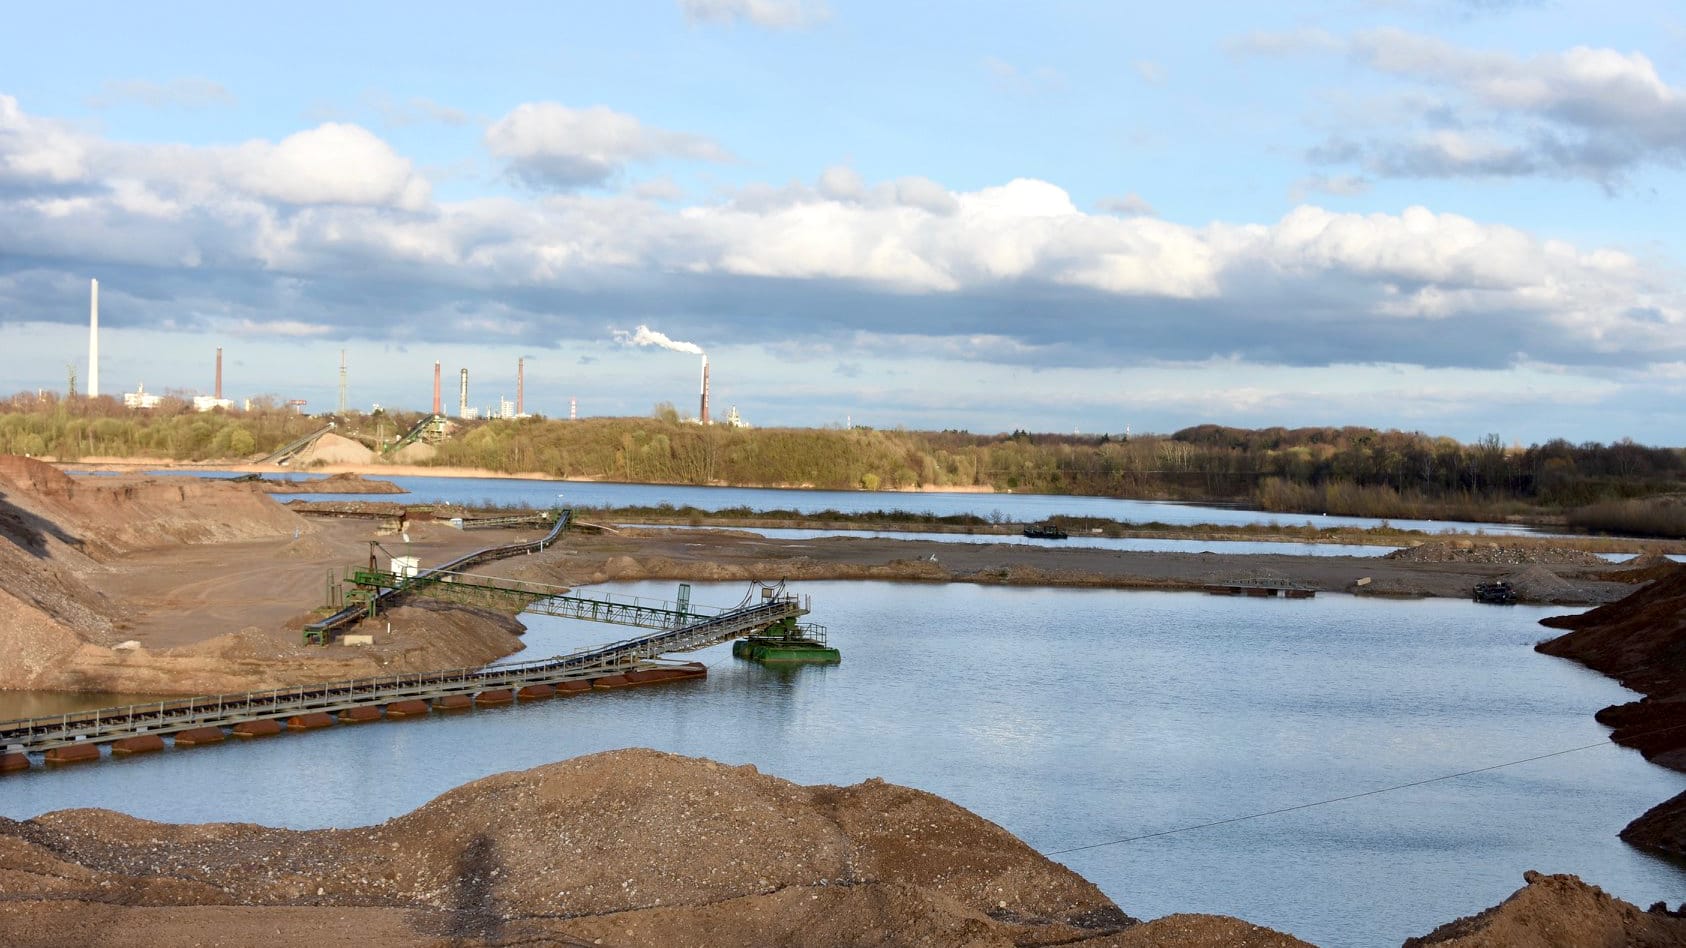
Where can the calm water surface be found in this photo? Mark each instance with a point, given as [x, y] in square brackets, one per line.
[1136, 544]
[1019, 508]
[1070, 717]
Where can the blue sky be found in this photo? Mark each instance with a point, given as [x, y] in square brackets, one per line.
[1458, 216]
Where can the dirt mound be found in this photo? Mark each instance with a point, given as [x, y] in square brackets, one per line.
[415, 453]
[34, 476]
[333, 449]
[1645, 568]
[1535, 583]
[1641, 642]
[630, 847]
[1472, 551]
[333, 484]
[1559, 911]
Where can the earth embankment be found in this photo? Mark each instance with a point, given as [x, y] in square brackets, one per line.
[180, 585]
[1641, 641]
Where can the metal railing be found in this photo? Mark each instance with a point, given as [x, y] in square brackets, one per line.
[320, 629]
[172, 716]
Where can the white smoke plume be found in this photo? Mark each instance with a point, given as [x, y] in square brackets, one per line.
[645, 336]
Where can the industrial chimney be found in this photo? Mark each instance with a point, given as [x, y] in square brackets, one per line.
[93, 338]
[462, 394]
[702, 415]
[436, 404]
[218, 395]
[573, 408]
[520, 387]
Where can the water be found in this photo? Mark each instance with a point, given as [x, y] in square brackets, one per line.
[1018, 508]
[1070, 717]
[1133, 544]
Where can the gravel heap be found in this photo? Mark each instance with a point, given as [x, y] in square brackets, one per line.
[629, 847]
[1470, 551]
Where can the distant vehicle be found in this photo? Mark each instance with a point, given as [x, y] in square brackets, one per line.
[1496, 593]
[1044, 531]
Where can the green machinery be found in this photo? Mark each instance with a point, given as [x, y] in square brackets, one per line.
[786, 641]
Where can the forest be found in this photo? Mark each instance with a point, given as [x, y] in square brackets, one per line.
[1348, 470]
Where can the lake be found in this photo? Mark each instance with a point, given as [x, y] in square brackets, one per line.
[1069, 717]
[1017, 508]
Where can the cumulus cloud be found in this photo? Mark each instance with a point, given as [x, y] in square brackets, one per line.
[278, 234]
[1584, 112]
[187, 93]
[547, 144]
[771, 14]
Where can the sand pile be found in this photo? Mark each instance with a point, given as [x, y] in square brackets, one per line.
[1535, 583]
[415, 453]
[334, 484]
[106, 516]
[1471, 551]
[1559, 912]
[630, 847]
[332, 449]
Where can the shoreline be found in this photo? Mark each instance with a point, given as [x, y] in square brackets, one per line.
[143, 465]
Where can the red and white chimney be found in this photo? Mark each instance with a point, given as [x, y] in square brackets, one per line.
[702, 414]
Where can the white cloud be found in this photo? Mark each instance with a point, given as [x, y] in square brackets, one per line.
[322, 229]
[552, 145]
[329, 164]
[1584, 112]
[187, 93]
[1150, 72]
[772, 14]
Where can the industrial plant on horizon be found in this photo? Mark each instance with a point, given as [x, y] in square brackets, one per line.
[141, 399]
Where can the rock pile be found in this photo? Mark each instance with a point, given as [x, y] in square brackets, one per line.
[628, 848]
[1470, 551]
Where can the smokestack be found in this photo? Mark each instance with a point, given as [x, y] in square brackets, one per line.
[93, 338]
[436, 405]
[703, 414]
[218, 394]
[520, 387]
[573, 409]
[343, 404]
[462, 394]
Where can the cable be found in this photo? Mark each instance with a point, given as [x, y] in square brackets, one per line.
[1607, 742]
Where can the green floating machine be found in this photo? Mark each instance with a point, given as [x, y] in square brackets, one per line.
[785, 641]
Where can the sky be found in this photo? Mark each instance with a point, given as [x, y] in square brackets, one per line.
[1461, 217]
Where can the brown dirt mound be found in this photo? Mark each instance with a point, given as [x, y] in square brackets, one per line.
[417, 453]
[333, 449]
[1641, 642]
[629, 848]
[1535, 583]
[334, 484]
[1559, 911]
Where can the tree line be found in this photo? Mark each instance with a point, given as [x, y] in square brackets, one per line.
[1346, 470]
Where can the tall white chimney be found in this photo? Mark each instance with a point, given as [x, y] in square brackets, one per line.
[93, 338]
